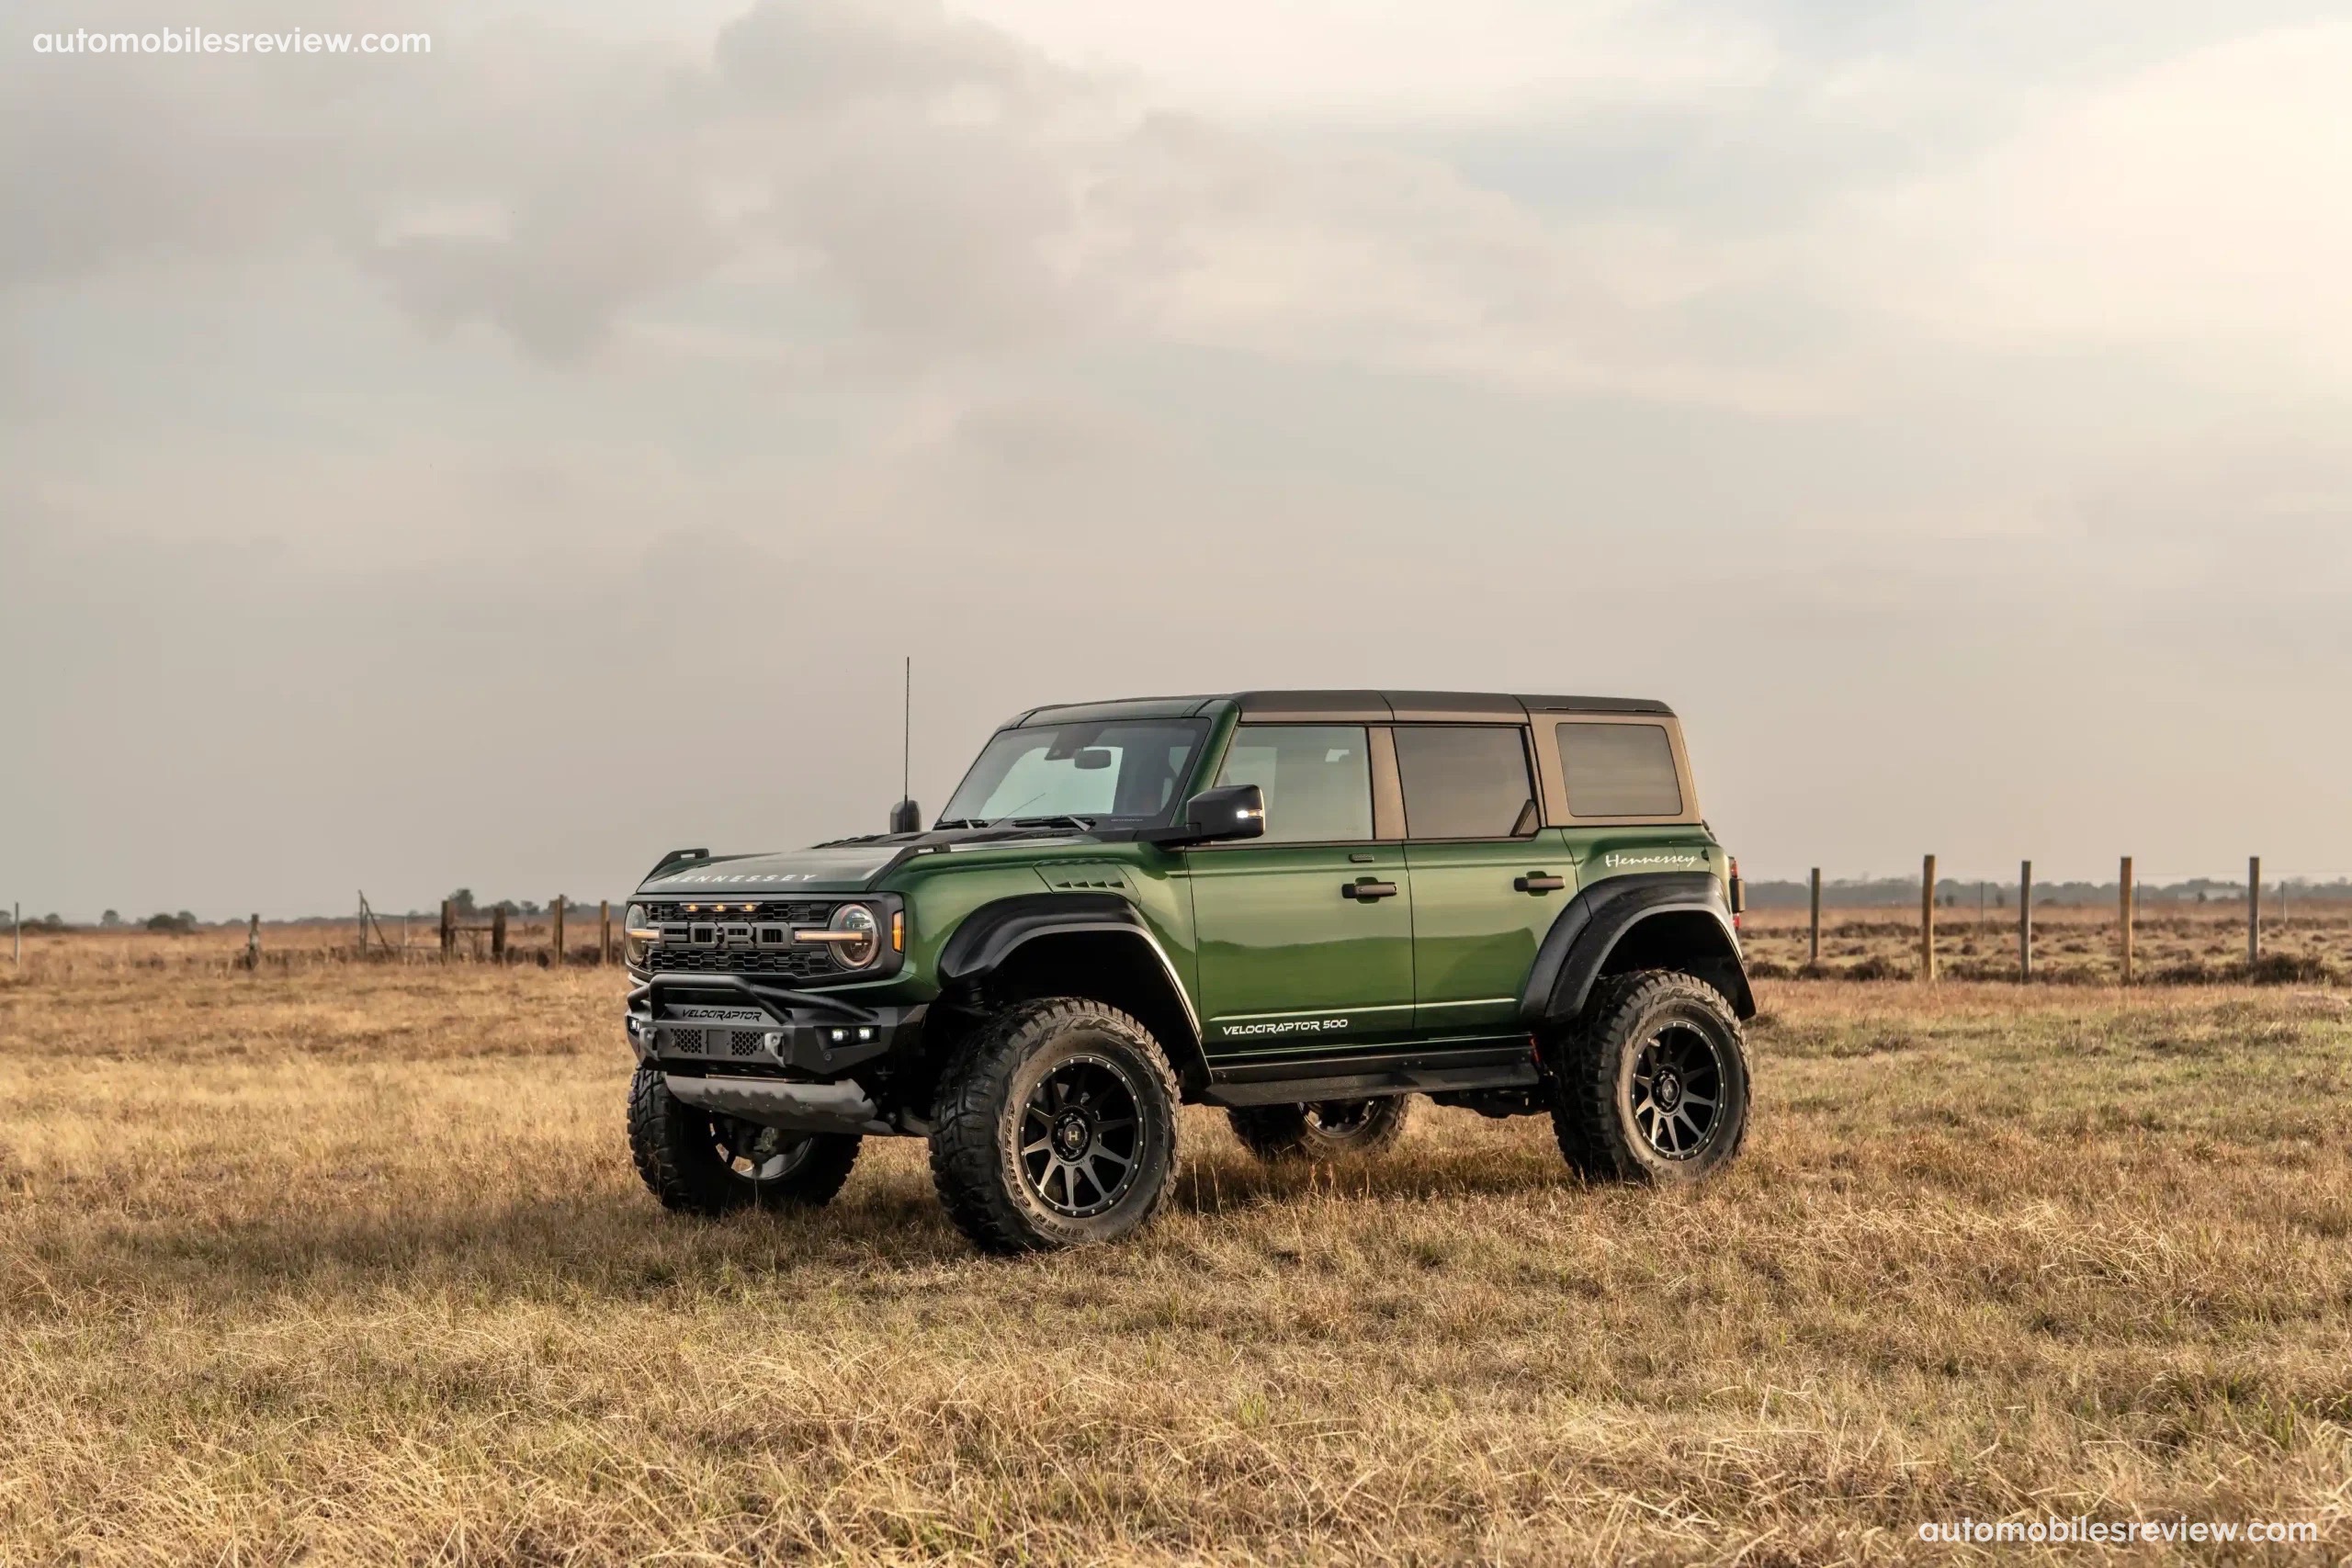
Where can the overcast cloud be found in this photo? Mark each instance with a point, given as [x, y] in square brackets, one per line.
[497, 466]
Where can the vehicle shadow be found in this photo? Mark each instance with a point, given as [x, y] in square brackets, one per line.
[1221, 1180]
[615, 1243]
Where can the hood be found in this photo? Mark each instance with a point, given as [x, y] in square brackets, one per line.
[827, 868]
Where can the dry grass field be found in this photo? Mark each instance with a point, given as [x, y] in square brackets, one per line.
[347, 1264]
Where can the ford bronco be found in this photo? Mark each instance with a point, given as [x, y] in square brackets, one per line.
[1304, 908]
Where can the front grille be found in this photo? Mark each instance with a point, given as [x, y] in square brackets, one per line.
[799, 961]
[685, 1040]
[776, 954]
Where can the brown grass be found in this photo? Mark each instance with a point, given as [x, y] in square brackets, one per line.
[348, 1264]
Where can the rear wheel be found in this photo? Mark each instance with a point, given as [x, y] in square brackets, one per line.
[1322, 1130]
[1054, 1126]
[1652, 1083]
[700, 1162]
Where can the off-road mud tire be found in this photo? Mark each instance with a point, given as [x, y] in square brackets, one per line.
[676, 1148]
[1594, 1093]
[1323, 1132]
[977, 1159]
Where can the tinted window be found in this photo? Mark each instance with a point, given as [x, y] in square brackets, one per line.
[1129, 769]
[1464, 782]
[1620, 770]
[1318, 779]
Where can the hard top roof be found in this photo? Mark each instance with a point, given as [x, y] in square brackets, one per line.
[1344, 708]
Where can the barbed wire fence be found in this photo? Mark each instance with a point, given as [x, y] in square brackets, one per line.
[2267, 897]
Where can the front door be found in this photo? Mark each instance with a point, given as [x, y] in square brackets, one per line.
[1487, 880]
[1306, 935]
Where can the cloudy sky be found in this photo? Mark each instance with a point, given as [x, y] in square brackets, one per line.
[498, 466]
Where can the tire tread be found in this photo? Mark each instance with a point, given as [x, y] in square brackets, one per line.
[686, 1176]
[1585, 1123]
[964, 1166]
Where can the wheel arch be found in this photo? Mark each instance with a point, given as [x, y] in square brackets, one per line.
[1096, 945]
[1676, 920]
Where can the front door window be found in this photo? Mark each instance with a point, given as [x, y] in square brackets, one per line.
[1318, 779]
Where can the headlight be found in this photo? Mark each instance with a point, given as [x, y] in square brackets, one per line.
[857, 921]
[637, 936]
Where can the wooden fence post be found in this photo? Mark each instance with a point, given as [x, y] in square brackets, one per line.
[449, 931]
[555, 916]
[2253, 914]
[16, 925]
[498, 934]
[252, 943]
[2024, 921]
[2124, 898]
[1813, 948]
[1927, 920]
[603, 930]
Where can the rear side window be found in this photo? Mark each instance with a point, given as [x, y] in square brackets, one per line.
[1318, 779]
[1464, 781]
[1620, 770]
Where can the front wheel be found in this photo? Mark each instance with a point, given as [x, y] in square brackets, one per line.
[1054, 1126]
[1651, 1084]
[700, 1162]
[1322, 1130]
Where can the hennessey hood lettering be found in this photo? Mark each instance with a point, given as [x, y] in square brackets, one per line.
[832, 868]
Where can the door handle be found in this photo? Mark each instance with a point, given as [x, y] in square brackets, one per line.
[1539, 881]
[1367, 890]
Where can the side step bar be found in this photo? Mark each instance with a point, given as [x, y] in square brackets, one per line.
[1503, 1065]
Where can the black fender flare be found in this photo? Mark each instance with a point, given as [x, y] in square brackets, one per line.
[1576, 948]
[993, 932]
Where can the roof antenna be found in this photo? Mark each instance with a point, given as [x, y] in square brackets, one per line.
[907, 817]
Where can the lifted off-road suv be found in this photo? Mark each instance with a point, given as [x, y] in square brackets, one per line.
[1304, 907]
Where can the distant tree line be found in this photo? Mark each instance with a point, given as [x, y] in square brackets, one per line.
[463, 902]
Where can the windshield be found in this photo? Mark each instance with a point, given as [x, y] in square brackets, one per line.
[1129, 770]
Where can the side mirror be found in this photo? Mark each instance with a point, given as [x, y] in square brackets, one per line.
[1229, 811]
[906, 817]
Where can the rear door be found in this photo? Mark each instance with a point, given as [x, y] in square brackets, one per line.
[1306, 935]
[1489, 879]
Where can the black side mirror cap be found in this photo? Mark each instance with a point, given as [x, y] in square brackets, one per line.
[1229, 811]
[906, 817]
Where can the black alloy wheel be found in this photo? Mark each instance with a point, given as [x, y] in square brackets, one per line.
[1322, 1130]
[1081, 1134]
[1677, 1091]
[1650, 1082]
[758, 1155]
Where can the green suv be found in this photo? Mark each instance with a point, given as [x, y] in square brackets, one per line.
[1302, 907]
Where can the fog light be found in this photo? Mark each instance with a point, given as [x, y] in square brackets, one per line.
[866, 1034]
[840, 1035]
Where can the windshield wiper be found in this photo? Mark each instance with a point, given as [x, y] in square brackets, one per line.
[1084, 824]
[946, 823]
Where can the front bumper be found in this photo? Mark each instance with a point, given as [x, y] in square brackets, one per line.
[734, 1026]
